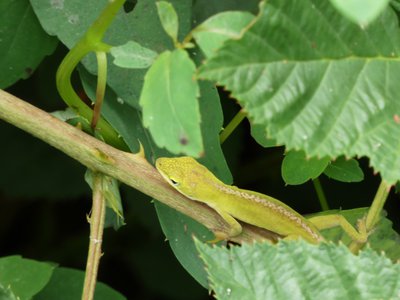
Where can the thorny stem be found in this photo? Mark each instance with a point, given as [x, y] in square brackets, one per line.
[96, 221]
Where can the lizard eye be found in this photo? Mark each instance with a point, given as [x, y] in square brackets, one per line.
[174, 183]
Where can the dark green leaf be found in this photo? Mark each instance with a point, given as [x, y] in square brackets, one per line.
[297, 168]
[23, 278]
[346, 170]
[67, 284]
[23, 42]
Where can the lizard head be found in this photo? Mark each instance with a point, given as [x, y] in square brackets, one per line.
[185, 174]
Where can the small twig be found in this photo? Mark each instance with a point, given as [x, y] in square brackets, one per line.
[96, 221]
[231, 126]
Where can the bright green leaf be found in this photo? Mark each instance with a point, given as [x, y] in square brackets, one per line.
[297, 168]
[318, 82]
[346, 170]
[298, 270]
[361, 11]
[212, 33]
[132, 55]
[23, 277]
[67, 284]
[170, 105]
[23, 42]
[168, 18]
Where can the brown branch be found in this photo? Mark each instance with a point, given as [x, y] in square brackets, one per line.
[128, 168]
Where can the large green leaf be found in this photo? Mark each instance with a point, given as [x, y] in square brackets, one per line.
[20, 34]
[23, 278]
[67, 284]
[170, 105]
[318, 82]
[297, 270]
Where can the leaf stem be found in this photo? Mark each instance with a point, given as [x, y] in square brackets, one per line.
[101, 86]
[96, 221]
[320, 193]
[232, 125]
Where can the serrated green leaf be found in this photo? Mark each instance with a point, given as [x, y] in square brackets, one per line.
[132, 55]
[67, 284]
[212, 33]
[297, 168]
[298, 270]
[21, 33]
[168, 18]
[318, 82]
[345, 170]
[258, 133]
[361, 12]
[23, 277]
[170, 106]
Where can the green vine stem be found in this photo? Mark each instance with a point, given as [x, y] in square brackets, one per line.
[128, 168]
[91, 41]
[374, 213]
[320, 193]
[96, 221]
[101, 86]
[232, 125]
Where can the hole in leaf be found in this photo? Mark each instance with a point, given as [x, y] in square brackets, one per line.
[129, 5]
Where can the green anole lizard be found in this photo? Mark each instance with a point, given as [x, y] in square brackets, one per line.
[196, 182]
